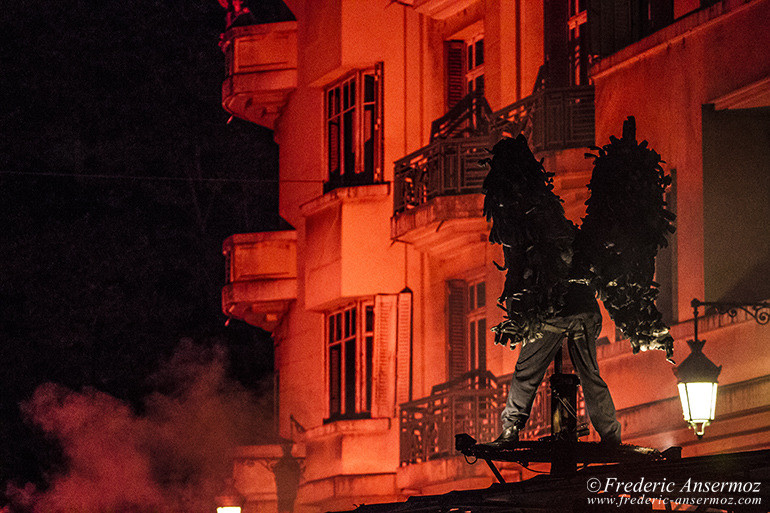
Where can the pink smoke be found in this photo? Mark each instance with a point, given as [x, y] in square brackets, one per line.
[173, 457]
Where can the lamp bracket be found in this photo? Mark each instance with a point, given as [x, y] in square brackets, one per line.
[759, 311]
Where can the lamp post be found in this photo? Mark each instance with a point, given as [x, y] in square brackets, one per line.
[697, 375]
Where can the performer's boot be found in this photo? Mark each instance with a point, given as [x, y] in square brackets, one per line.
[509, 436]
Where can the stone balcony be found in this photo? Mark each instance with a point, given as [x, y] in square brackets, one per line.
[261, 277]
[261, 63]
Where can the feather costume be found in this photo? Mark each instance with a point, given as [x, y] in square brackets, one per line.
[625, 224]
[528, 220]
[614, 250]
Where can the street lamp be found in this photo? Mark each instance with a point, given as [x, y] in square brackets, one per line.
[697, 382]
[229, 500]
[697, 375]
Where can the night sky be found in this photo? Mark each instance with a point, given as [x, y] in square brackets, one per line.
[119, 179]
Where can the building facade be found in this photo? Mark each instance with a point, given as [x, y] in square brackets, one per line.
[380, 299]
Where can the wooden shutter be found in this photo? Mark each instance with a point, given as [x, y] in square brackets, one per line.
[455, 72]
[384, 365]
[457, 300]
[404, 348]
[379, 118]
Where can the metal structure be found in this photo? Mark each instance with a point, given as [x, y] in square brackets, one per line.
[578, 493]
[697, 375]
[470, 404]
[444, 167]
[551, 118]
[757, 310]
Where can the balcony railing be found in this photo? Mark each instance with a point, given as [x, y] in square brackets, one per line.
[444, 167]
[471, 404]
[552, 119]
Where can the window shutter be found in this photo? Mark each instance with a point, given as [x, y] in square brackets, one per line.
[385, 327]
[379, 114]
[404, 348]
[457, 299]
[455, 71]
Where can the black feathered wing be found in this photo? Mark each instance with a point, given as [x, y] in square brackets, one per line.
[626, 223]
[528, 221]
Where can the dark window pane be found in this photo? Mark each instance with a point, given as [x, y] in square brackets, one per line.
[482, 343]
[473, 345]
[369, 360]
[368, 88]
[345, 96]
[353, 320]
[338, 322]
[331, 329]
[350, 376]
[479, 53]
[470, 57]
[481, 294]
[348, 148]
[369, 319]
[471, 298]
[336, 100]
[479, 83]
[352, 93]
[334, 148]
[347, 323]
[368, 136]
[335, 381]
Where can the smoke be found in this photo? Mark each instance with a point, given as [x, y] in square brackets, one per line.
[173, 457]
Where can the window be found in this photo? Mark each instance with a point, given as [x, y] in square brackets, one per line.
[578, 42]
[474, 74]
[477, 325]
[466, 327]
[354, 129]
[464, 65]
[350, 355]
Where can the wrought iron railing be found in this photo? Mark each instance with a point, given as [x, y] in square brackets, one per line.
[551, 119]
[471, 404]
[444, 167]
[470, 117]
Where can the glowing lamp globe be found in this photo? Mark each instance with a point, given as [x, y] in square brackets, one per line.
[229, 500]
[697, 382]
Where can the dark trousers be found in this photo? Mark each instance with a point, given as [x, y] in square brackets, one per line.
[533, 362]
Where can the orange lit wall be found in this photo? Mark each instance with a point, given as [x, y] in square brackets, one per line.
[664, 80]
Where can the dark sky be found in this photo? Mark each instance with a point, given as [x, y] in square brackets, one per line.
[119, 180]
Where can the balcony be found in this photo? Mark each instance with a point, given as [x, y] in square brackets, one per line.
[442, 181]
[261, 277]
[551, 118]
[470, 404]
[261, 63]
